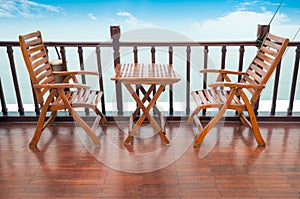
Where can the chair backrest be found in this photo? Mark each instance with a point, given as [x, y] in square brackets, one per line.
[268, 57]
[37, 63]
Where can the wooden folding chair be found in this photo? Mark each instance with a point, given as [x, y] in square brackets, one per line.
[240, 96]
[59, 96]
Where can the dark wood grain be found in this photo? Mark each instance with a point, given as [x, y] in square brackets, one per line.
[235, 168]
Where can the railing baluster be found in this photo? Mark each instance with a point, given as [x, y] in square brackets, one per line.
[153, 61]
[2, 98]
[63, 58]
[135, 58]
[223, 60]
[205, 74]
[152, 54]
[115, 35]
[135, 54]
[294, 81]
[99, 66]
[205, 63]
[188, 79]
[241, 61]
[10, 53]
[81, 63]
[171, 109]
[275, 90]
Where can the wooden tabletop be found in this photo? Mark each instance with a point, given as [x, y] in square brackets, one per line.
[145, 74]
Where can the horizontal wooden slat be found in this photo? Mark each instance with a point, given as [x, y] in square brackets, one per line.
[35, 49]
[38, 55]
[43, 76]
[41, 64]
[272, 45]
[146, 73]
[258, 70]
[265, 58]
[33, 42]
[269, 51]
[276, 38]
[254, 75]
[261, 64]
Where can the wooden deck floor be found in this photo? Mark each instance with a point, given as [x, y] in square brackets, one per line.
[228, 165]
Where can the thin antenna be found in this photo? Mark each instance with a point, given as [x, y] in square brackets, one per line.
[292, 39]
[276, 12]
[296, 34]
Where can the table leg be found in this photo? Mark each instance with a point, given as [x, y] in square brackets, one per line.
[146, 114]
[146, 97]
[155, 109]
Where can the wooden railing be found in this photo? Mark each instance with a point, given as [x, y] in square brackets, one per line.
[108, 54]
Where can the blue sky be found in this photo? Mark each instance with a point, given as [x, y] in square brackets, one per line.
[198, 20]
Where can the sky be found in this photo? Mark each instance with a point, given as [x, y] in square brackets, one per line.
[89, 20]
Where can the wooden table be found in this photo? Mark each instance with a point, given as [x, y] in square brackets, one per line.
[146, 74]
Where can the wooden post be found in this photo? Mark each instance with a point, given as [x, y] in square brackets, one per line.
[115, 34]
[262, 31]
[99, 66]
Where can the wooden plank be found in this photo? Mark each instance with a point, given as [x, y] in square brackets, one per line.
[196, 98]
[272, 44]
[261, 63]
[258, 70]
[203, 97]
[265, 58]
[269, 51]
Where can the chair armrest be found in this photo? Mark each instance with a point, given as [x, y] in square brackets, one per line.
[222, 71]
[236, 85]
[81, 72]
[60, 86]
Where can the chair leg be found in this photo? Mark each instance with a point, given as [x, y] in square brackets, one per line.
[38, 130]
[244, 120]
[103, 118]
[209, 126]
[87, 129]
[213, 122]
[191, 117]
[259, 139]
[50, 120]
[40, 125]
[96, 123]
[78, 119]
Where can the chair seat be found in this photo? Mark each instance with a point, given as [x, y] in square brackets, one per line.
[214, 98]
[79, 98]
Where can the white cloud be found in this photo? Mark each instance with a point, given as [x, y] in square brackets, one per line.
[133, 22]
[238, 25]
[24, 8]
[244, 5]
[92, 16]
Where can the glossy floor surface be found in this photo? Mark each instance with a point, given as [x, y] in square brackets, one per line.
[227, 165]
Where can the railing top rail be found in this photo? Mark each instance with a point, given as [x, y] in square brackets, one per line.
[145, 43]
[190, 43]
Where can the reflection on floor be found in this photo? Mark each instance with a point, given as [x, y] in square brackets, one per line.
[228, 163]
